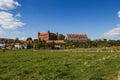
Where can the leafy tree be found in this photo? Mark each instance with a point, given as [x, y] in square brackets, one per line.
[29, 38]
[61, 37]
[41, 43]
[17, 40]
[37, 45]
[29, 45]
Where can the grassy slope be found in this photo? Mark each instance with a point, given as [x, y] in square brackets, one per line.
[58, 65]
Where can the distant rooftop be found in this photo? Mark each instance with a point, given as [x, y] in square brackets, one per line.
[77, 35]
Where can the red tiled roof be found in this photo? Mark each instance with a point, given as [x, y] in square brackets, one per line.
[5, 39]
[77, 35]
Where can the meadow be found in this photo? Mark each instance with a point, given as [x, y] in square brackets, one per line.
[59, 65]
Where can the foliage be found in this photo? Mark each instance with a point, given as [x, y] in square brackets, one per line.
[61, 37]
[29, 38]
[92, 44]
[17, 40]
[29, 45]
[37, 45]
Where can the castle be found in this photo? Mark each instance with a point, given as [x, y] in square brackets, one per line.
[47, 36]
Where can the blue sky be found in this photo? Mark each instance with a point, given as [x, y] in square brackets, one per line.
[25, 18]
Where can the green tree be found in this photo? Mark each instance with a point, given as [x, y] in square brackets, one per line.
[29, 43]
[36, 44]
[35, 41]
[17, 40]
[61, 37]
[41, 43]
[29, 38]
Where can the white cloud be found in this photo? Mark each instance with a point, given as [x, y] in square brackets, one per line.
[8, 21]
[115, 32]
[8, 4]
[119, 14]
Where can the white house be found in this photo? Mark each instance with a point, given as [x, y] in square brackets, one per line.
[2, 44]
[18, 46]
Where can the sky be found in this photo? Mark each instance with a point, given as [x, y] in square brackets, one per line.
[25, 18]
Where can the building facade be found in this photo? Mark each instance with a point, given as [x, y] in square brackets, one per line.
[77, 37]
[47, 36]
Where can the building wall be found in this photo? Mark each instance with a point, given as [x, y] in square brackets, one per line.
[43, 36]
[77, 37]
[53, 36]
[47, 36]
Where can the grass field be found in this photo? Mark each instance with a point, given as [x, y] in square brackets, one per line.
[58, 65]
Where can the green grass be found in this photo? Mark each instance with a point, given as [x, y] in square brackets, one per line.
[58, 65]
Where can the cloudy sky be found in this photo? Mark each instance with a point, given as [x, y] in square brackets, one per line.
[25, 18]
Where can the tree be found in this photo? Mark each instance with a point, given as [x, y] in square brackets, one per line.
[29, 45]
[61, 37]
[29, 38]
[17, 40]
[35, 41]
[36, 44]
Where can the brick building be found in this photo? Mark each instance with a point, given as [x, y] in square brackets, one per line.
[47, 36]
[77, 37]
